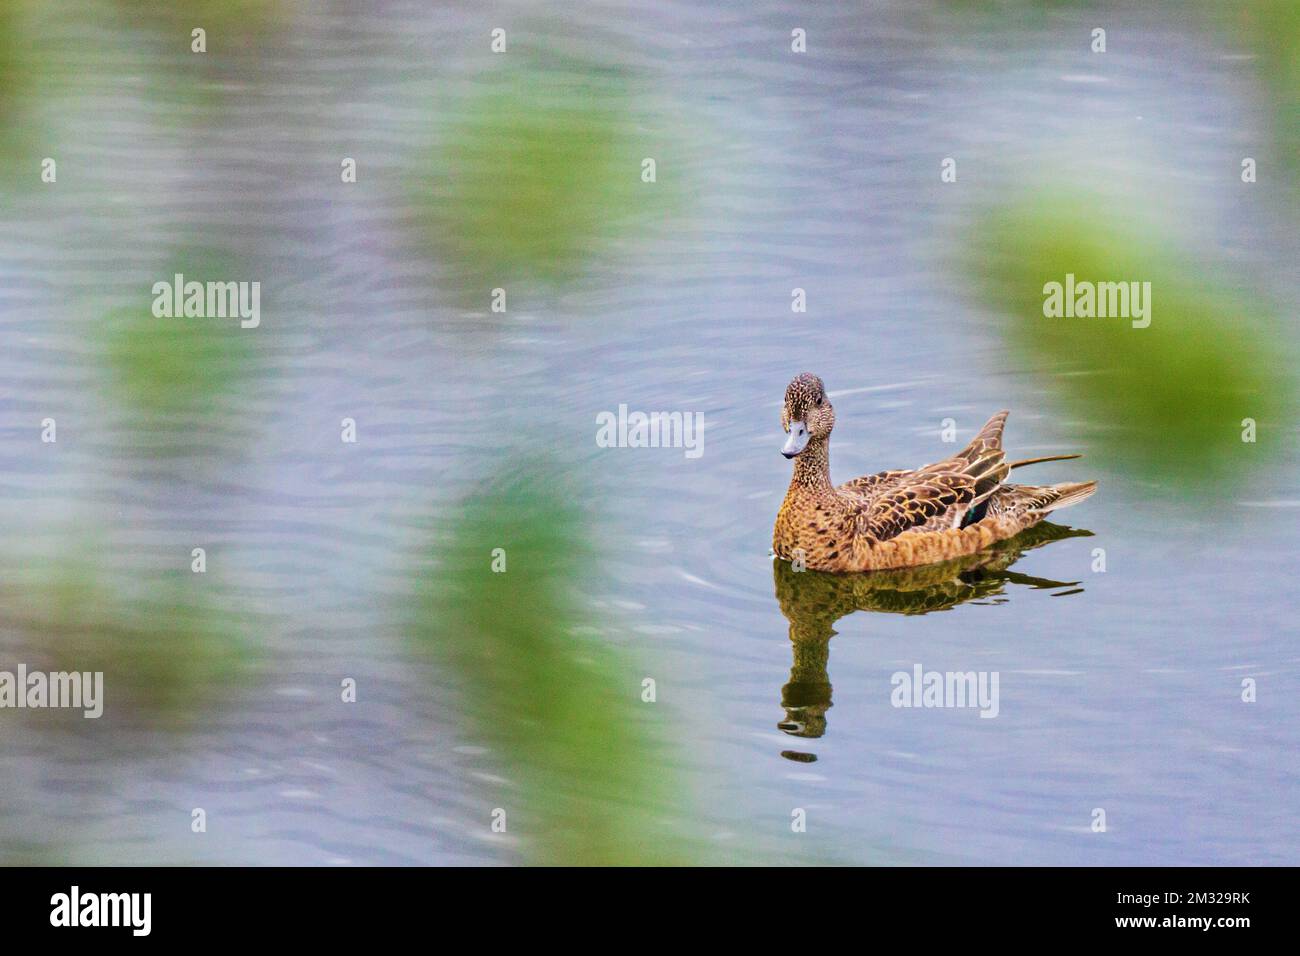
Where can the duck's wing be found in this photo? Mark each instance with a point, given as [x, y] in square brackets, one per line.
[869, 486]
[927, 500]
[988, 438]
[939, 496]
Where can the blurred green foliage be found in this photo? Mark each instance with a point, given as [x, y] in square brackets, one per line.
[531, 179]
[168, 648]
[15, 77]
[562, 711]
[170, 367]
[1176, 391]
[10, 74]
[229, 23]
[175, 366]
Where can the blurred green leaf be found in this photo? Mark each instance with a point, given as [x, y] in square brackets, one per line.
[532, 179]
[561, 710]
[170, 366]
[1175, 393]
[168, 650]
[10, 75]
[179, 366]
[16, 71]
[229, 23]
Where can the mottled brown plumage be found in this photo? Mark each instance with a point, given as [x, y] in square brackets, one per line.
[898, 519]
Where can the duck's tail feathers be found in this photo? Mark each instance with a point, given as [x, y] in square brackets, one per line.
[1035, 461]
[1056, 497]
[1031, 503]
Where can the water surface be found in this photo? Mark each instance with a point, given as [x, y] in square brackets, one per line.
[1119, 690]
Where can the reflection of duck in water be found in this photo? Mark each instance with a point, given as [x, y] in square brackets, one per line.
[813, 601]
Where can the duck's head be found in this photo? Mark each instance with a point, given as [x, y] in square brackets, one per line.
[807, 415]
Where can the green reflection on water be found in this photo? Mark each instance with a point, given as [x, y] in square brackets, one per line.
[539, 173]
[563, 712]
[171, 650]
[1175, 395]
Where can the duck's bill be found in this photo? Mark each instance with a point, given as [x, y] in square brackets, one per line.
[797, 441]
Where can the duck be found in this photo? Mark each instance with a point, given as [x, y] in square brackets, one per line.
[903, 518]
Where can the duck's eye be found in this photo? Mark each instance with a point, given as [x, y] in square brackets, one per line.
[820, 399]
